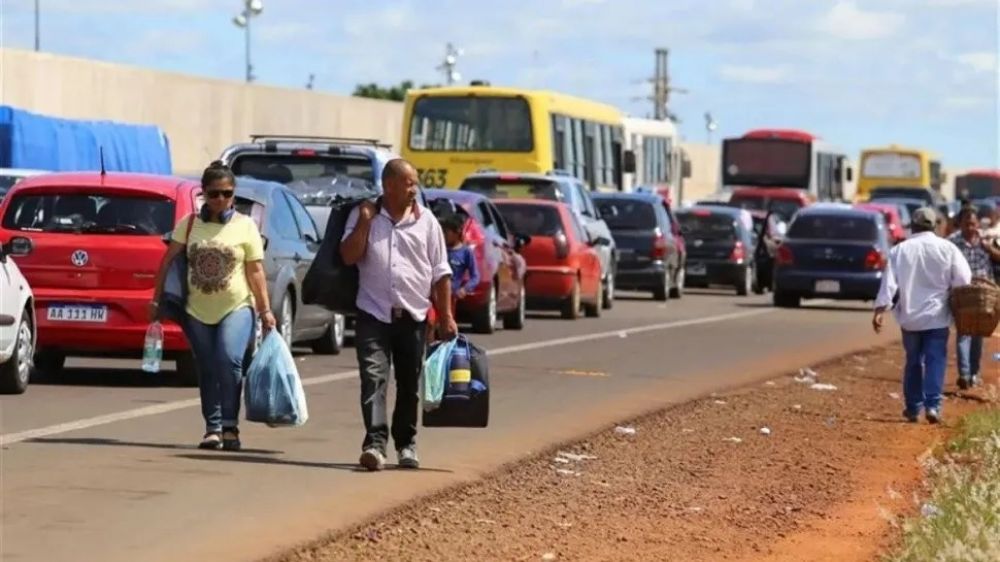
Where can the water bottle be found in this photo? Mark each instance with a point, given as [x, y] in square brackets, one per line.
[152, 350]
[459, 373]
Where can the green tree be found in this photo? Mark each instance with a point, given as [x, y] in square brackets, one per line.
[394, 93]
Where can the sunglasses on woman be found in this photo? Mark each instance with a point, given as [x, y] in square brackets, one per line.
[226, 194]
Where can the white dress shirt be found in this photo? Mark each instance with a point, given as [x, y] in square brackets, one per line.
[923, 269]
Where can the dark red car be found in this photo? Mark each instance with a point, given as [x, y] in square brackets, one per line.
[897, 232]
[501, 290]
[564, 269]
[97, 241]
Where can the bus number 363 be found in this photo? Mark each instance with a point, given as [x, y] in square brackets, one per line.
[433, 177]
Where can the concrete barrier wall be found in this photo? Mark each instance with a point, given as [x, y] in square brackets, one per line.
[201, 116]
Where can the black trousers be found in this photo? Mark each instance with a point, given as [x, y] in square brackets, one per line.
[398, 346]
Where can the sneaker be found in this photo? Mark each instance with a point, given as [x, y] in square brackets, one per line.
[975, 381]
[933, 415]
[408, 458]
[372, 460]
[911, 417]
[965, 383]
[212, 440]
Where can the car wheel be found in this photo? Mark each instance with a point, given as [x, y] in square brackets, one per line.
[745, 284]
[485, 321]
[515, 319]
[286, 320]
[677, 290]
[15, 373]
[49, 363]
[332, 341]
[187, 369]
[785, 300]
[571, 306]
[608, 298]
[593, 310]
[662, 289]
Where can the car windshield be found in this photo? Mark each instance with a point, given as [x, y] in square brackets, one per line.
[833, 227]
[471, 124]
[532, 220]
[90, 214]
[306, 175]
[708, 225]
[622, 214]
[515, 188]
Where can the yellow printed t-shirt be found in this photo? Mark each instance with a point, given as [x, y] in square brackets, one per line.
[216, 252]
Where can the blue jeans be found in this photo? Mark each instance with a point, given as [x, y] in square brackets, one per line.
[923, 375]
[219, 352]
[970, 355]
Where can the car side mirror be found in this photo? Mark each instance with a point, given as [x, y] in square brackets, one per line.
[521, 241]
[628, 162]
[600, 241]
[265, 241]
[311, 239]
[167, 238]
[850, 174]
[19, 246]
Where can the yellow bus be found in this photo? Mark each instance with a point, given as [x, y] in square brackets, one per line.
[449, 133]
[898, 167]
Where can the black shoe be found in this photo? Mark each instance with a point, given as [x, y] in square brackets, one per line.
[911, 416]
[231, 439]
[964, 383]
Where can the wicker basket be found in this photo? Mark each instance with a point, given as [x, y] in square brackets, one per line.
[976, 308]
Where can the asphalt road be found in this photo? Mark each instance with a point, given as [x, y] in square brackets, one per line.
[101, 465]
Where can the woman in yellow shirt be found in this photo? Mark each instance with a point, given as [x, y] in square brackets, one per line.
[225, 283]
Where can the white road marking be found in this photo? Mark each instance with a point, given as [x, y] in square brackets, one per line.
[11, 438]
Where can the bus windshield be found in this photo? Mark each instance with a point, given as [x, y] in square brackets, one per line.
[471, 124]
[766, 162]
[977, 187]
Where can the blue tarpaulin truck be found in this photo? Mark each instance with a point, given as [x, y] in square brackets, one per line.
[30, 140]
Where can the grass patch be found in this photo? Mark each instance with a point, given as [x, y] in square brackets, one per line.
[960, 522]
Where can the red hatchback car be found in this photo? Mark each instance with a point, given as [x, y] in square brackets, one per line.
[97, 242]
[564, 269]
[897, 232]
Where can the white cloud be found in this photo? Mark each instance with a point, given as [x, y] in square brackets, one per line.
[967, 102]
[847, 21]
[754, 74]
[982, 61]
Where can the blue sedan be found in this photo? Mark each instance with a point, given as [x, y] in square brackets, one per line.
[831, 253]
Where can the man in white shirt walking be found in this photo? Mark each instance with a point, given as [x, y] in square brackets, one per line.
[918, 280]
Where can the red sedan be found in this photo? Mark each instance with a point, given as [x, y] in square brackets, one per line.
[564, 269]
[897, 232]
[97, 244]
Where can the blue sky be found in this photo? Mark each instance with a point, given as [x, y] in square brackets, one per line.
[856, 72]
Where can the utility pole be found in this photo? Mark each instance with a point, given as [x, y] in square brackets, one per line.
[38, 27]
[251, 9]
[662, 88]
[447, 66]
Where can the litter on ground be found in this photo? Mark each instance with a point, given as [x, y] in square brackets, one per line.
[625, 430]
[765, 431]
[733, 440]
[823, 386]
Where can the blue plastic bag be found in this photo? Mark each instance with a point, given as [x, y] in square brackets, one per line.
[436, 374]
[274, 392]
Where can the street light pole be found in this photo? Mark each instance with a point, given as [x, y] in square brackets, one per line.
[38, 37]
[251, 9]
[249, 17]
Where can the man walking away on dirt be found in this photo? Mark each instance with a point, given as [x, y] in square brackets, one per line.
[918, 279]
[403, 263]
[976, 251]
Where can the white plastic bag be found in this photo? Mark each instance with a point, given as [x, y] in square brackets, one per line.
[274, 393]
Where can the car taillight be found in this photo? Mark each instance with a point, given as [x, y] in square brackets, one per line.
[874, 260]
[738, 252]
[784, 256]
[562, 246]
[659, 246]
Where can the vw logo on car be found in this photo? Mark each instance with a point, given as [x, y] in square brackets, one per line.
[79, 258]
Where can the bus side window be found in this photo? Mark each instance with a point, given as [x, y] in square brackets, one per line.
[559, 144]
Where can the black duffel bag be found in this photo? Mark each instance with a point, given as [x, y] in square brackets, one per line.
[473, 411]
[330, 282]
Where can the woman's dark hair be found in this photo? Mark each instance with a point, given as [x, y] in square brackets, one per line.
[217, 171]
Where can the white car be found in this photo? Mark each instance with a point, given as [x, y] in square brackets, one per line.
[17, 323]
[10, 176]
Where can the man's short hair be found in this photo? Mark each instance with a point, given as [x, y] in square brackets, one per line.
[967, 211]
[394, 168]
[453, 222]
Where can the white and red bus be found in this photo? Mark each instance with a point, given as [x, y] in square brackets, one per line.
[977, 184]
[785, 158]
